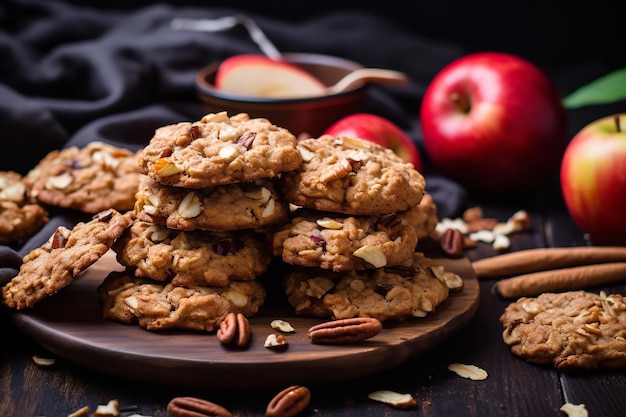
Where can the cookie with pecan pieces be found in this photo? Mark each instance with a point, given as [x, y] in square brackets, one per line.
[573, 330]
[343, 242]
[156, 305]
[244, 205]
[218, 150]
[397, 293]
[353, 176]
[67, 253]
[90, 179]
[20, 215]
[194, 257]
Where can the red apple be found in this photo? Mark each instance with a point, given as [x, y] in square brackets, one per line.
[258, 75]
[379, 130]
[593, 179]
[494, 122]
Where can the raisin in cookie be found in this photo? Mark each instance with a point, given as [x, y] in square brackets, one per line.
[219, 150]
[245, 205]
[20, 215]
[90, 179]
[353, 176]
[159, 306]
[191, 258]
[63, 257]
[411, 290]
[342, 242]
[570, 331]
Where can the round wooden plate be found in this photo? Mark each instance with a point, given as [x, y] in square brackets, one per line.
[70, 325]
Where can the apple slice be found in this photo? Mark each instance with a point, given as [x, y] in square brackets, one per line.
[258, 75]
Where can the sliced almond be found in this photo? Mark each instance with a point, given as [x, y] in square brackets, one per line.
[269, 209]
[190, 206]
[574, 410]
[393, 398]
[105, 159]
[472, 372]
[13, 192]
[215, 117]
[372, 255]
[307, 155]
[166, 168]
[237, 298]
[59, 182]
[111, 409]
[329, 223]
[228, 152]
[43, 362]
[81, 412]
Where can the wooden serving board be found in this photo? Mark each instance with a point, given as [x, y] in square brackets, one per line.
[70, 325]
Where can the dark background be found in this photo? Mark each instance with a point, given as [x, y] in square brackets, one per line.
[548, 32]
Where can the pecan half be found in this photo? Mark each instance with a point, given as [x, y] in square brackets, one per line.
[289, 402]
[234, 329]
[195, 407]
[344, 331]
[451, 242]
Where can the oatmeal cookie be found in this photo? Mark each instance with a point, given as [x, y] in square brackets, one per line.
[219, 150]
[342, 242]
[245, 205]
[422, 217]
[573, 330]
[63, 257]
[391, 293]
[189, 258]
[90, 179]
[20, 215]
[353, 176]
[159, 306]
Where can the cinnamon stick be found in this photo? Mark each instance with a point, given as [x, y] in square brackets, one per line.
[564, 279]
[542, 259]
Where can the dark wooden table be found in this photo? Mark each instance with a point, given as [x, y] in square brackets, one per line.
[513, 387]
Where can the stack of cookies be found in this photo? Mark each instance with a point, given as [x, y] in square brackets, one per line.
[205, 200]
[352, 239]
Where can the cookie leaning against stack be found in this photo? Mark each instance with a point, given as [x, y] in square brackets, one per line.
[352, 241]
[194, 252]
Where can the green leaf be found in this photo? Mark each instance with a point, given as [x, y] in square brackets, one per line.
[607, 89]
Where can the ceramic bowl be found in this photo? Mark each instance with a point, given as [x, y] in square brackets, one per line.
[301, 116]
